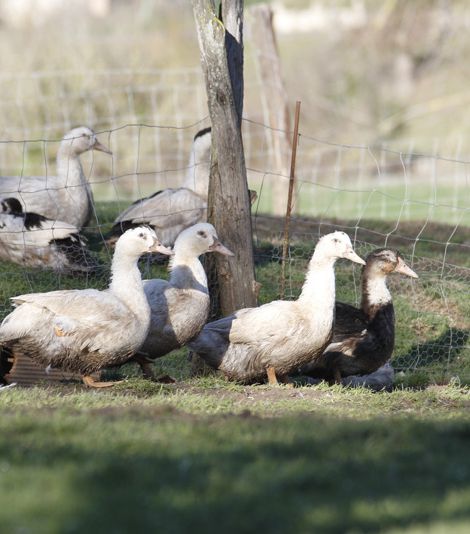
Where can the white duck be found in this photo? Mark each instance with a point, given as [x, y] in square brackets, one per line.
[66, 196]
[172, 210]
[179, 307]
[86, 330]
[273, 339]
[32, 240]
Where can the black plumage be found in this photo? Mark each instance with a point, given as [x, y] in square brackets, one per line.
[363, 339]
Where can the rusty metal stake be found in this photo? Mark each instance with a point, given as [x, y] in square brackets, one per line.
[285, 245]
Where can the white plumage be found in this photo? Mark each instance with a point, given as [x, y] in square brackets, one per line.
[278, 337]
[66, 196]
[87, 330]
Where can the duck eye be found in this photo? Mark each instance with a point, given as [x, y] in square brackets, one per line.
[202, 233]
[141, 234]
[335, 240]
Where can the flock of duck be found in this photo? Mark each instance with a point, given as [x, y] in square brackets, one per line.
[88, 330]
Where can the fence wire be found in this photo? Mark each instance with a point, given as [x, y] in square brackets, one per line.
[418, 203]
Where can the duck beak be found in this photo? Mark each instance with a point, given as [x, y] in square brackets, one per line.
[101, 148]
[351, 255]
[221, 249]
[158, 247]
[402, 268]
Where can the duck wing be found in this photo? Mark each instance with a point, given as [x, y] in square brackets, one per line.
[77, 310]
[349, 321]
[269, 324]
[169, 212]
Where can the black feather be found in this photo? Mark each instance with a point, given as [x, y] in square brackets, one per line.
[202, 132]
[79, 257]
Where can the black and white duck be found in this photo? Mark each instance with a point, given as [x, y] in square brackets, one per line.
[363, 338]
[32, 240]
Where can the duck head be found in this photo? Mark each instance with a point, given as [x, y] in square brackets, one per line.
[10, 205]
[81, 139]
[385, 261]
[139, 241]
[199, 239]
[337, 245]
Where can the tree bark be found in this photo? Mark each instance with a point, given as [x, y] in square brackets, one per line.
[221, 47]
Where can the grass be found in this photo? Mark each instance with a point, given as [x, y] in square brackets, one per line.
[443, 202]
[207, 455]
[213, 457]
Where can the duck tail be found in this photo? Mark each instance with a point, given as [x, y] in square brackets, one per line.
[78, 258]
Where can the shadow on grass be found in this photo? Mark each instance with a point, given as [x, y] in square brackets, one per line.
[446, 348]
[237, 474]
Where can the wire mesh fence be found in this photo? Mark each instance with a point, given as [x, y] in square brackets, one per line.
[418, 203]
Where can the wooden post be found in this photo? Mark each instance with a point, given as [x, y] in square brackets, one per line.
[221, 47]
[285, 245]
[273, 96]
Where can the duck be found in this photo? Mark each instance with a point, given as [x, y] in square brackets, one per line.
[363, 338]
[67, 196]
[84, 331]
[180, 306]
[32, 240]
[171, 210]
[275, 339]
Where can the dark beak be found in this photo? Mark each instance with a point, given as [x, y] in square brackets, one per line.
[402, 268]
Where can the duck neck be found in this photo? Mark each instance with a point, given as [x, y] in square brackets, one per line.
[197, 176]
[318, 291]
[126, 284]
[69, 167]
[375, 294]
[187, 271]
[77, 208]
[378, 307]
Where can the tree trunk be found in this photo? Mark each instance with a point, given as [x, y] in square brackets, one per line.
[221, 47]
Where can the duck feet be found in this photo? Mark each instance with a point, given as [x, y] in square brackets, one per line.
[148, 371]
[336, 379]
[272, 378]
[92, 383]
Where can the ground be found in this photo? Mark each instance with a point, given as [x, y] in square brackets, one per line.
[208, 456]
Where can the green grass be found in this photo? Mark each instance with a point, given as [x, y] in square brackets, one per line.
[206, 456]
[387, 200]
